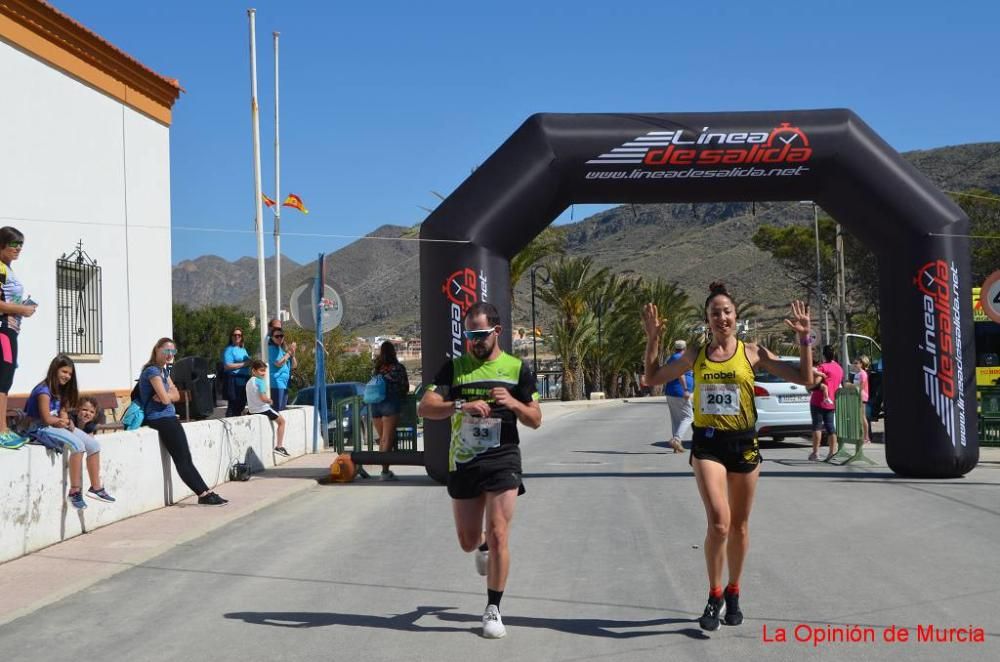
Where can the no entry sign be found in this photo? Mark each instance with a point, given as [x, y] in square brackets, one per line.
[989, 296]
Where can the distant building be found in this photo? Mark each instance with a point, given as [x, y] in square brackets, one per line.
[85, 166]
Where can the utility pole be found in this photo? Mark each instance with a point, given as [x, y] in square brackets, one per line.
[277, 192]
[259, 218]
[819, 280]
[842, 301]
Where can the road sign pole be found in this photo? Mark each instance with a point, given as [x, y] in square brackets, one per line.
[319, 400]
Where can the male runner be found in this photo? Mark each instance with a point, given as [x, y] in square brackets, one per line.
[485, 392]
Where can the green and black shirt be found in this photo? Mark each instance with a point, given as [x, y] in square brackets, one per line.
[467, 378]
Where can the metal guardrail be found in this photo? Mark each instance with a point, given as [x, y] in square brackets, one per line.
[549, 384]
[360, 435]
[989, 415]
[350, 408]
[848, 423]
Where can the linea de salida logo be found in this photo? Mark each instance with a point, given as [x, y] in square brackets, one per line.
[463, 288]
[941, 345]
[784, 144]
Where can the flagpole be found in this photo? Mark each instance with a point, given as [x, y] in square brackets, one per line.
[258, 200]
[277, 190]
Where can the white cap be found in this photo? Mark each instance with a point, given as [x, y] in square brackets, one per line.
[680, 345]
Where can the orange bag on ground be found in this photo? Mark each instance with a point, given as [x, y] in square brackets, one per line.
[342, 470]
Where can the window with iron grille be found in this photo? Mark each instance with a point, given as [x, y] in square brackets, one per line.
[78, 297]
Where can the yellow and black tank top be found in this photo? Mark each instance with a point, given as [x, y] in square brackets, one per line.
[723, 391]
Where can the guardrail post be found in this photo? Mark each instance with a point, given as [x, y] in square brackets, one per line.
[338, 430]
[849, 428]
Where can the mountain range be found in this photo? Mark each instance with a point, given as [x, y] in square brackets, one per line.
[378, 276]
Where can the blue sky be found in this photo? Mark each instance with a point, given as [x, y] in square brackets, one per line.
[383, 103]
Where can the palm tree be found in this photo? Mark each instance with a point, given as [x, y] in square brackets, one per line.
[625, 341]
[613, 301]
[679, 315]
[572, 281]
[551, 241]
[572, 342]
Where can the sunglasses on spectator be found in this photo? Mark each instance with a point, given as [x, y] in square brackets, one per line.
[237, 335]
[169, 352]
[277, 335]
[482, 334]
[15, 244]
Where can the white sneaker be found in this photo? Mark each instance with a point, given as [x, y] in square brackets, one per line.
[482, 561]
[492, 625]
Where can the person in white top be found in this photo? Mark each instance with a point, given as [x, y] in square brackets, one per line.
[259, 401]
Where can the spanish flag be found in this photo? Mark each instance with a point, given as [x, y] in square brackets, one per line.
[268, 202]
[295, 202]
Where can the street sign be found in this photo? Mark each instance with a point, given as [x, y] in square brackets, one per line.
[302, 305]
[989, 296]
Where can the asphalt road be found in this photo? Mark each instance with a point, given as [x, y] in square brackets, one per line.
[607, 565]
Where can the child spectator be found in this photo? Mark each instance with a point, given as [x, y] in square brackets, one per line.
[259, 402]
[821, 387]
[85, 416]
[861, 365]
[47, 412]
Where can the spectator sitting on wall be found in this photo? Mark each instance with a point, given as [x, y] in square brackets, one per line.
[258, 402]
[158, 393]
[47, 412]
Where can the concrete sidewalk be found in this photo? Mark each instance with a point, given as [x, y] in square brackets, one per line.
[48, 575]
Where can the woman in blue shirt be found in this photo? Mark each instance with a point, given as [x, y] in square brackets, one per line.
[157, 394]
[282, 359]
[236, 360]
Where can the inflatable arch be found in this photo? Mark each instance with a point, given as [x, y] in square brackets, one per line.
[829, 156]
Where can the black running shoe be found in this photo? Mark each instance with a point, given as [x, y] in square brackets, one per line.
[212, 499]
[733, 614]
[710, 619]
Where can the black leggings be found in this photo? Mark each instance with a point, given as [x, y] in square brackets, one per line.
[236, 397]
[173, 438]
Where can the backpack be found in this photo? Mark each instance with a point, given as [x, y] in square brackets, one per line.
[135, 413]
[374, 390]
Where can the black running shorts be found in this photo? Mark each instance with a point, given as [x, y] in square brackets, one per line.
[736, 451]
[497, 471]
[270, 413]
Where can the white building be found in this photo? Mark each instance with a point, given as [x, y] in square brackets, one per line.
[85, 161]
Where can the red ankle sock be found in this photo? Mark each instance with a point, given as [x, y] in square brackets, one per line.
[733, 589]
[715, 592]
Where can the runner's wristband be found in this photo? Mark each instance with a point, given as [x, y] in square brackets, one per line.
[807, 341]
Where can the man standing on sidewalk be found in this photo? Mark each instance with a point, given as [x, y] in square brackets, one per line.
[678, 393]
[484, 392]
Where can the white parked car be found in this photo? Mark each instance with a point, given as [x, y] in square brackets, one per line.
[782, 407]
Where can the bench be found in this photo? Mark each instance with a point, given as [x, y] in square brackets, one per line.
[107, 402]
